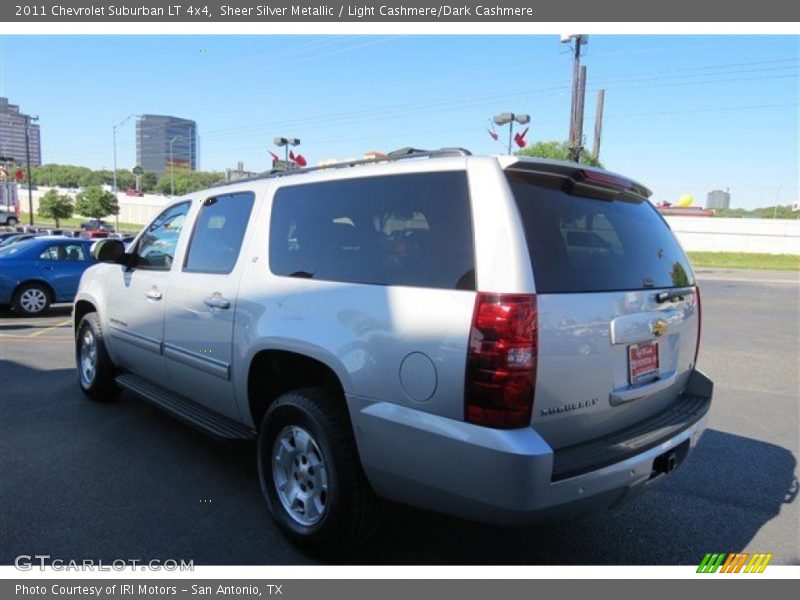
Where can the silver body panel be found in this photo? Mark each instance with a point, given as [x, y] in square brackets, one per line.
[400, 355]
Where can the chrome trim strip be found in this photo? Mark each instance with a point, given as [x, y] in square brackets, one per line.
[198, 361]
[135, 339]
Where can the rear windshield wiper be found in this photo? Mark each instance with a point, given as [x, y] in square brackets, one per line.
[676, 294]
[302, 274]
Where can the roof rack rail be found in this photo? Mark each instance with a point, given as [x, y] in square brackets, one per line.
[400, 154]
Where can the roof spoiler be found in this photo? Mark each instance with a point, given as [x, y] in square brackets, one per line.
[582, 180]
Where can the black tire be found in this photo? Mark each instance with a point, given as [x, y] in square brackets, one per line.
[11, 221]
[24, 299]
[101, 387]
[352, 511]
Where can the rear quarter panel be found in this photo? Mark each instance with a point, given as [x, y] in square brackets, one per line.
[364, 333]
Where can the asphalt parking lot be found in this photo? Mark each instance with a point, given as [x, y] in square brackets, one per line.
[123, 480]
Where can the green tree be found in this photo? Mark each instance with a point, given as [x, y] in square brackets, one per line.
[188, 181]
[96, 203]
[555, 150]
[149, 181]
[55, 206]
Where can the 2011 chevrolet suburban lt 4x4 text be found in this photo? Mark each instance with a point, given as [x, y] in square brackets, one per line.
[496, 338]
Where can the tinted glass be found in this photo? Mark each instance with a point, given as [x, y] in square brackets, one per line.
[582, 244]
[64, 252]
[413, 230]
[156, 247]
[218, 233]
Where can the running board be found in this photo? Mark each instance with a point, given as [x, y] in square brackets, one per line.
[186, 410]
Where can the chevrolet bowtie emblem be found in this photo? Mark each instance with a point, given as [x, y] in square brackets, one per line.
[658, 327]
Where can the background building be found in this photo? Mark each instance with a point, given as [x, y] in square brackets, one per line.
[154, 136]
[12, 135]
[238, 173]
[718, 199]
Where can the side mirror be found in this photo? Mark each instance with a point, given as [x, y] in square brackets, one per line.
[109, 250]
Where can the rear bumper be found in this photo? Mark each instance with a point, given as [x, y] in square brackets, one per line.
[512, 476]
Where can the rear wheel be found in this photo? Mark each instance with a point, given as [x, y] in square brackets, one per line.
[311, 476]
[32, 299]
[12, 221]
[95, 369]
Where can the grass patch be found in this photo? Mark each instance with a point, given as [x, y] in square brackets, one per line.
[745, 260]
[75, 222]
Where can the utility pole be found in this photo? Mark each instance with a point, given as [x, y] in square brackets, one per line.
[28, 120]
[578, 148]
[575, 110]
[598, 123]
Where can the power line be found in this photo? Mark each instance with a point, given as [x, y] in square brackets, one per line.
[432, 106]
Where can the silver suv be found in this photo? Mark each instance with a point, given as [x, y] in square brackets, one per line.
[496, 338]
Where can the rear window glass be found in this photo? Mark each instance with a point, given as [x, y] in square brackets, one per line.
[413, 230]
[580, 244]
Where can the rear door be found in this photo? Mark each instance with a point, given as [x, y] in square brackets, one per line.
[198, 328]
[618, 320]
[62, 264]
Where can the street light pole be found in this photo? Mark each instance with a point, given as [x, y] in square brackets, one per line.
[114, 173]
[28, 120]
[286, 142]
[172, 167]
[509, 118]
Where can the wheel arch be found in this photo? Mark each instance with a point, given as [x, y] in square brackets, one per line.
[81, 308]
[274, 371]
[50, 290]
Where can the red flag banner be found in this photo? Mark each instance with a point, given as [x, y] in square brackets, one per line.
[519, 138]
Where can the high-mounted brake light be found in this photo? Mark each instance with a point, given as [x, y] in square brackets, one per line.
[501, 361]
[606, 178]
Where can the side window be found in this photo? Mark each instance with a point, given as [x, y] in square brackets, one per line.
[156, 247]
[218, 233]
[64, 252]
[413, 230]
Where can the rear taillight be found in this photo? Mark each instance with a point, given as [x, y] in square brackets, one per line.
[501, 361]
[699, 322]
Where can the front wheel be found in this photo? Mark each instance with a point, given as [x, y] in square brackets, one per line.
[95, 369]
[311, 476]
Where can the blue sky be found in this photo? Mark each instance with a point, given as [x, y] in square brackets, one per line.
[684, 114]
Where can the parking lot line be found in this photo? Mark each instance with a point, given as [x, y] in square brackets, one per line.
[56, 326]
[26, 338]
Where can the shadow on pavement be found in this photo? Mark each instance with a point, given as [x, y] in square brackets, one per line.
[728, 489]
[82, 479]
[54, 311]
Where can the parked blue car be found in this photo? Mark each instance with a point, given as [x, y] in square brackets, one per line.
[38, 272]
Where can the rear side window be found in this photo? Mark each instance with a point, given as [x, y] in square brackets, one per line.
[580, 244]
[218, 233]
[64, 252]
[413, 230]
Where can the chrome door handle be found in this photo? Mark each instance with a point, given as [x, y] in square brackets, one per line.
[154, 295]
[217, 302]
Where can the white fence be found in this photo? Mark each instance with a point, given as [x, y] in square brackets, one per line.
[701, 234]
[132, 209]
[709, 234]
